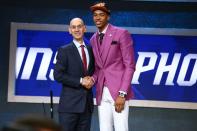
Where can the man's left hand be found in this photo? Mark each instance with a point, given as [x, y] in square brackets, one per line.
[119, 104]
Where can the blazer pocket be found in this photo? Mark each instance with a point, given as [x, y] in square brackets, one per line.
[114, 42]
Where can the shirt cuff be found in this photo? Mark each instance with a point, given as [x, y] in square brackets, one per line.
[81, 80]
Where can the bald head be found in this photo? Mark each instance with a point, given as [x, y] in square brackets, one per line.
[77, 29]
[76, 20]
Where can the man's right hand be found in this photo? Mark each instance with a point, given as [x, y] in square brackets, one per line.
[87, 82]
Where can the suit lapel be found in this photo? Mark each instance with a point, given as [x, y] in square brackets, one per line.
[77, 56]
[107, 40]
[90, 56]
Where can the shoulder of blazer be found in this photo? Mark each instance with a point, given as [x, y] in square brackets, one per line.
[93, 37]
[116, 28]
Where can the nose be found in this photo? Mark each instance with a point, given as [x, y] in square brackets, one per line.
[97, 17]
[77, 28]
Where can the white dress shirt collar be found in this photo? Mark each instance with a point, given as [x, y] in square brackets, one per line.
[104, 31]
[77, 44]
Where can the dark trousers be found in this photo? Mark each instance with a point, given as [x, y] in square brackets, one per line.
[75, 121]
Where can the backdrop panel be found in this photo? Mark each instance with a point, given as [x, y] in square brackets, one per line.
[166, 64]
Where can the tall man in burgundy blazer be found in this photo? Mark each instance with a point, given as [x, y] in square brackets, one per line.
[114, 68]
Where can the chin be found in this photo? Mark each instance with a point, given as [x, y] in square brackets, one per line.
[99, 26]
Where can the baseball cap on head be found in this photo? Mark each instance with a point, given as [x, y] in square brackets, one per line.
[100, 6]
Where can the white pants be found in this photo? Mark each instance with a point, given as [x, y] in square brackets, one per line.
[108, 117]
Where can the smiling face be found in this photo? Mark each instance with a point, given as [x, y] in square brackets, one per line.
[101, 19]
[77, 29]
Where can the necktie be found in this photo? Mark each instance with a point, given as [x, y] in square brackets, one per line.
[84, 58]
[101, 35]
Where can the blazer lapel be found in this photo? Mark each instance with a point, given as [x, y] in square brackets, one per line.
[97, 50]
[107, 40]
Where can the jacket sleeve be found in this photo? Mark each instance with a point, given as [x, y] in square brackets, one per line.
[96, 68]
[95, 75]
[126, 46]
[60, 71]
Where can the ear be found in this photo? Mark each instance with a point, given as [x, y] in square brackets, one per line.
[85, 28]
[69, 30]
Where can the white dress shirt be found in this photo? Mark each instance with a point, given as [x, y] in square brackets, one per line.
[77, 44]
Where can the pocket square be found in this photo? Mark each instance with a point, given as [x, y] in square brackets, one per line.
[114, 42]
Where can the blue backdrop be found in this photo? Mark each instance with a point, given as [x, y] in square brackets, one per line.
[165, 65]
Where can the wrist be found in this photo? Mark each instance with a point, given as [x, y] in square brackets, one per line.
[93, 79]
[122, 94]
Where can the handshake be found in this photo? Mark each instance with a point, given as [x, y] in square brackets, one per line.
[87, 82]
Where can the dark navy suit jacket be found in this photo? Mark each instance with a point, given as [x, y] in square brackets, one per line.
[68, 71]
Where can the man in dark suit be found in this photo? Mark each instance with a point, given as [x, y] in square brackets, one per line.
[75, 62]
